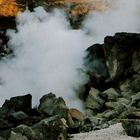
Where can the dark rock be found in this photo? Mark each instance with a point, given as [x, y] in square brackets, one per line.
[52, 105]
[135, 114]
[130, 85]
[4, 50]
[75, 128]
[5, 133]
[17, 118]
[5, 124]
[95, 64]
[136, 100]
[1, 138]
[94, 102]
[25, 131]
[109, 115]
[128, 111]
[19, 103]
[113, 121]
[89, 124]
[135, 82]
[120, 108]
[51, 128]
[17, 136]
[121, 54]
[18, 115]
[111, 94]
[7, 22]
[59, 129]
[132, 127]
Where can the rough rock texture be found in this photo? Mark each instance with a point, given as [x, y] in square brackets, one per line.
[114, 72]
[52, 120]
[111, 95]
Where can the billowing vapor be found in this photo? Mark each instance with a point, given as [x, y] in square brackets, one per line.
[123, 16]
[49, 54]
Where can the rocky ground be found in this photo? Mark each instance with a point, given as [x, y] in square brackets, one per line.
[113, 92]
[111, 96]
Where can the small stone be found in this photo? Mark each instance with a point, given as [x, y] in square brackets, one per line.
[76, 114]
[105, 125]
[94, 102]
[111, 105]
[112, 94]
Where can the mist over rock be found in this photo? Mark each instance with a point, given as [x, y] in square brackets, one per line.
[117, 96]
[50, 51]
[113, 100]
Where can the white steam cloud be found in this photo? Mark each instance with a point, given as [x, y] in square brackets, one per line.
[123, 16]
[48, 53]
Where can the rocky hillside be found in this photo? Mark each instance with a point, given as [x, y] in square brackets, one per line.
[112, 95]
[75, 9]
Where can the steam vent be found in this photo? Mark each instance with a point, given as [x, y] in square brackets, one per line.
[69, 69]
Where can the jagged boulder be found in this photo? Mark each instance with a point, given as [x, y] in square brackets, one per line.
[24, 131]
[111, 94]
[95, 65]
[19, 103]
[122, 53]
[51, 128]
[52, 105]
[94, 102]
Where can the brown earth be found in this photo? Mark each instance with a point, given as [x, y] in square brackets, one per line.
[79, 7]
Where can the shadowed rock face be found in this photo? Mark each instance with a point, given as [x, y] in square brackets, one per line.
[118, 94]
